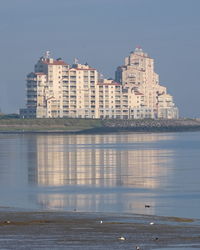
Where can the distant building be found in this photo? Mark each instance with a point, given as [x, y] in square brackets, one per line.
[138, 73]
[80, 96]
[56, 89]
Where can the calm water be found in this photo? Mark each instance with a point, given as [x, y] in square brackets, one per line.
[108, 173]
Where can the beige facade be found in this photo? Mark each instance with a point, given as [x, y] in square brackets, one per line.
[138, 73]
[57, 89]
[80, 97]
[36, 94]
[45, 89]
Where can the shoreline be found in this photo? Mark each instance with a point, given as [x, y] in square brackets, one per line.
[79, 230]
[96, 126]
[103, 131]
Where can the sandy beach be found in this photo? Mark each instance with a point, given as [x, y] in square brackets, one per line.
[74, 230]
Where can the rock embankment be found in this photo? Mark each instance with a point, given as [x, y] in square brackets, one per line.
[151, 124]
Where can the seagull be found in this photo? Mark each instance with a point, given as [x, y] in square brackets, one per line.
[147, 206]
[137, 247]
[101, 222]
[121, 238]
[151, 223]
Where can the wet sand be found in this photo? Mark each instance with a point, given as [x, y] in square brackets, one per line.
[74, 230]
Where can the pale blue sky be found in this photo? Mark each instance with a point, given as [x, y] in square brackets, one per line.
[102, 33]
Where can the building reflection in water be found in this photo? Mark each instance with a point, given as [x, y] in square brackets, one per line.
[99, 172]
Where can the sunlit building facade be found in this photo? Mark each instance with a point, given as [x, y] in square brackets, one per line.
[138, 74]
[56, 89]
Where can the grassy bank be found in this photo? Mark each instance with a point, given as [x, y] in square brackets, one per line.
[72, 125]
[48, 124]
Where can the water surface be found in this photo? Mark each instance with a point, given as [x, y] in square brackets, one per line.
[119, 172]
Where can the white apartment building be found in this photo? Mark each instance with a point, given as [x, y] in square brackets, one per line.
[56, 89]
[45, 89]
[80, 98]
[138, 73]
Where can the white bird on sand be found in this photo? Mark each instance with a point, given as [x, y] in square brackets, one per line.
[7, 222]
[121, 238]
[100, 221]
[137, 247]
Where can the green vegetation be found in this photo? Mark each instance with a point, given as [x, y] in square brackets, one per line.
[178, 219]
[9, 116]
[63, 124]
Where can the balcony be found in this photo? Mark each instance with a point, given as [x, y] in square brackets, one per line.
[72, 106]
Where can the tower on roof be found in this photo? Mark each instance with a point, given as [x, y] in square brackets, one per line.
[75, 60]
[138, 49]
[47, 54]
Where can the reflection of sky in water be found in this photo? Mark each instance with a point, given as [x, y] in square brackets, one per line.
[112, 172]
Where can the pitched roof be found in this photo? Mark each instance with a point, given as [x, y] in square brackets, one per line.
[54, 62]
[39, 73]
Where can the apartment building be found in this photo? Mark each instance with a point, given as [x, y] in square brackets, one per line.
[80, 98]
[45, 89]
[138, 73]
[56, 89]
